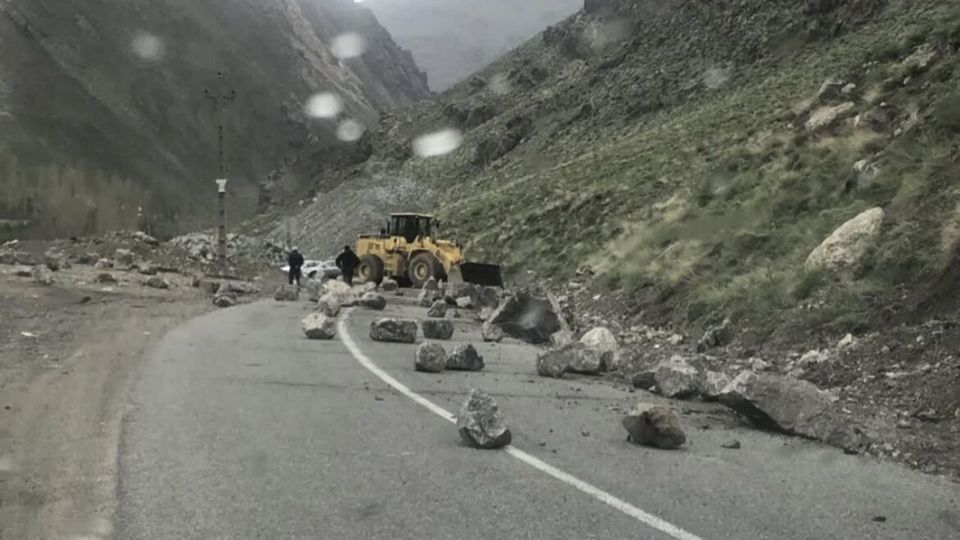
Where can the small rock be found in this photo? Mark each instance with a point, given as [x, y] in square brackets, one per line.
[146, 238]
[106, 277]
[430, 358]
[319, 326]
[716, 336]
[287, 293]
[732, 445]
[374, 301]
[481, 424]
[224, 300]
[676, 378]
[491, 333]
[23, 271]
[758, 364]
[148, 269]
[124, 259]
[438, 310]
[103, 264]
[42, 275]
[464, 302]
[561, 338]
[427, 297]
[465, 358]
[584, 433]
[644, 380]
[658, 427]
[157, 282]
[393, 330]
[437, 328]
[879, 519]
[847, 342]
[675, 339]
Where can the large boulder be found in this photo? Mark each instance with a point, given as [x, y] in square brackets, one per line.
[481, 424]
[713, 385]
[455, 291]
[372, 300]
[329, 305]
[314, 289]
[42, 275]
[106, 278]
[488, 298]
[603, 340]
[287, 293]
[574, 358]
[528, 317]
[56, 260]
[787, 405]
[654, 426]
[676, 378]
[438, 310]
[428, 296]
[124, 259]
[430, 358]
[844, 250]
[103, 264]
[240, 288]
[393, 330]
[389, 285]
[319, 326]
[225, 300]
[465, 358]
[437, 328]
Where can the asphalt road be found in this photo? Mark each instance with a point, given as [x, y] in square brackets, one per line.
[241, 428]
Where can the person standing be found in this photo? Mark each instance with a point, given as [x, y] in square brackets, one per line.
[348, 262]
[295, 261]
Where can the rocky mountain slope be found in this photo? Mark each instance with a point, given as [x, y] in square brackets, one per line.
[102, 105]
[776, 176]
[451, 39]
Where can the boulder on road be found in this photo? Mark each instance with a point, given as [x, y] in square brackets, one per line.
[427, 297]
[372, 300]
[654, 426]
[491, 333]
[645, 379]
[56, 260]
[239, 288]
[437, 328]
[287, 293]
[488, 298]
[464, 302]
[329, 305]
[603, 340]
[481, 424]
[786, 405]
[843, 251]
[319, 326]
[457, 290]
[430, 358]
[431, 285]
[713, 384]
[465, 358]
[438, 310]
[528, 317]
[389, 285]
[42, 275]
[314, 289]
[393, 330]
[157, 282]
[574, 358]
[676, 378]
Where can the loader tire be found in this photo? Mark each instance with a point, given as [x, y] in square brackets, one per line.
[423, 267]
[370, 269]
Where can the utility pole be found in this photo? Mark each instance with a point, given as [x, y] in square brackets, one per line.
[221, 99]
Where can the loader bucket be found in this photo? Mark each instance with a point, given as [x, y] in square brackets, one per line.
[481, 274]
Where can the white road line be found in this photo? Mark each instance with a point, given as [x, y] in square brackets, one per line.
[644, 517]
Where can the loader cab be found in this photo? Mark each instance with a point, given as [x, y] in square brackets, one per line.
[410, 226]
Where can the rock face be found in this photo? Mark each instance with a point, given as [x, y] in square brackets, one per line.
[786, 405]
[574, 358]
[528, 317]
[653, 426]
[157, 282]
[123, 259]
[481, 424]
[430, 358]
[437, 328]
[844, 250]
[602, 339]
[438, 310]
[319, 326]
[372, 300]
[676, 378]
[393, 330]
[465, 358]
[287, 293]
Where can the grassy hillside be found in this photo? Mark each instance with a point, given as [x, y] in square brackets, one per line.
[666, 145]
[98, 93]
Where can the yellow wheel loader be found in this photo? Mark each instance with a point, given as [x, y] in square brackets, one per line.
[407, 251]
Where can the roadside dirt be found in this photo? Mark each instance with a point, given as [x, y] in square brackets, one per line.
[67, 355]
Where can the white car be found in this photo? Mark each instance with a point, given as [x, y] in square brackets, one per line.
[313, 269]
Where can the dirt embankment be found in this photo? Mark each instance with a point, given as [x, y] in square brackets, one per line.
[68, 353]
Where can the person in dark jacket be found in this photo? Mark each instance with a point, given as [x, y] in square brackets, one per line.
[347, 262]
[295, 260]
